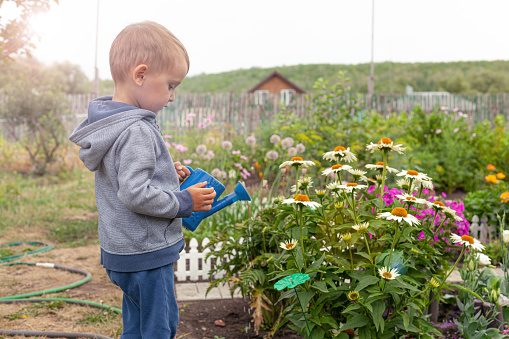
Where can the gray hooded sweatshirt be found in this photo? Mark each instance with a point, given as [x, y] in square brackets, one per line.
[137, 187]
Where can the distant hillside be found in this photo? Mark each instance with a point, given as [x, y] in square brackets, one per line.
[454, 77]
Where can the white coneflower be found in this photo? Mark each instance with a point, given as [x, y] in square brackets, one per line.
[437, 205]
[425, 181]
[361, 228]
[340, 153]
[334, 186]
[232, 174]
[301, 199]
[357, 173]
[288, 245]
[410, 174]
[388, 275]
[449, 212]
[399, 214]
[367, 180]
[336, 169]
[380, 166]
[385, 144]
[411, 200]
[297, 162]
[468, 241]
[320, 193]
[352, 186]
[403, 183]
[379, 178]
[304, 183]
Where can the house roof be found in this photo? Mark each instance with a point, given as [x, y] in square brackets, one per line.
[272, 75]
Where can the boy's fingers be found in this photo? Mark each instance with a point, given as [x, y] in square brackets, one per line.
[186, 171]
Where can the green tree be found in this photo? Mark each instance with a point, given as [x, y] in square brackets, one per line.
[16, 34]
[488, 82]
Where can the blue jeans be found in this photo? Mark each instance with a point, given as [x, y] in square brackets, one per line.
[149, 307]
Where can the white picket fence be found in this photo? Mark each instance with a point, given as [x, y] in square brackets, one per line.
[193, 266]
[484, 229]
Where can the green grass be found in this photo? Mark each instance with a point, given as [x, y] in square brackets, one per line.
[50, 204]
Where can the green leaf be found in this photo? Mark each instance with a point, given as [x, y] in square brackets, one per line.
[461, 288]
[358, 320]
[321, 286]
[378, 310]
[318, 333]
[406, 321]
[304, 298]
[364, 332]
[316, 265]
[351, 307]
[366, 281]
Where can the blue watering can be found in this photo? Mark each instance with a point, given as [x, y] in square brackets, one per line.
[199, 175]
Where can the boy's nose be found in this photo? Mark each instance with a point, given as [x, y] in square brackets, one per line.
[172, 97]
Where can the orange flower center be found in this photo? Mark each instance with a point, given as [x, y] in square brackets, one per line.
[301, 197]
[439, 203]
[385, 141]
[289, 246]
[387, 275]
[467, 238]
[412, 172]
[411, 198]
[400, 212]
[371, 179]
[351, 184]
[339, 148]
[337, 166]
[380, 163]
[296, 159]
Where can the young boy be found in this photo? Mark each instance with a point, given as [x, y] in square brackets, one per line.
[138, 198]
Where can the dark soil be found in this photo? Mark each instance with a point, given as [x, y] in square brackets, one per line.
[197, 320]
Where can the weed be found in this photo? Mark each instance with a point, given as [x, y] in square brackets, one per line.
[97, 318]
[74, 232]
[183, 309]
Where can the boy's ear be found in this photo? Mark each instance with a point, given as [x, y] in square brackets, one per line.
[139, 74]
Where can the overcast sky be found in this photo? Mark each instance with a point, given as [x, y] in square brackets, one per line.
[224, 35]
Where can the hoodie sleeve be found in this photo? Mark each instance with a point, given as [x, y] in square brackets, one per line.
[136, 158]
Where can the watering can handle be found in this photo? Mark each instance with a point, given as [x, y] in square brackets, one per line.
[191, 170]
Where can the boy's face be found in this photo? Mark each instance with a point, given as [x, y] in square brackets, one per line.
[156, 90]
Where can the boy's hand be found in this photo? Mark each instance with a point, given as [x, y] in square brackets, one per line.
[182, 171]
[202, 197]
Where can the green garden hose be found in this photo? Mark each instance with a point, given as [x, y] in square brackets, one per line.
[46, 248]
[24, 297]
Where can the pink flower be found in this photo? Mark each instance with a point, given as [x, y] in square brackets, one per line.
[275, 139]
[202, 125]
[167, 136]
[243, 157]
[187, 162]
[456, 130]
[226, 145]
[167, 144]
[191, 115]
[438, 131]
[235, 152]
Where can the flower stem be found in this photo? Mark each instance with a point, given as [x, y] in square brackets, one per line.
[439, 227]
[301, 237]
[303, 313]
[383, 181]
[392, 247]
[447, 276]
[351, 257]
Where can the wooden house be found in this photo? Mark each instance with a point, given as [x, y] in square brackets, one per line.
[276, 83]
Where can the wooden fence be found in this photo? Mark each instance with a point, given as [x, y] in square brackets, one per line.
[243, 112]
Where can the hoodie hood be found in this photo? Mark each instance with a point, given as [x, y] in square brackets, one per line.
[106, 120]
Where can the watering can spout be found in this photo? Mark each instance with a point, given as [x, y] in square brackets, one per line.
[198, 175]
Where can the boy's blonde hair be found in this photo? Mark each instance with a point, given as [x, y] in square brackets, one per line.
[144, 43]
